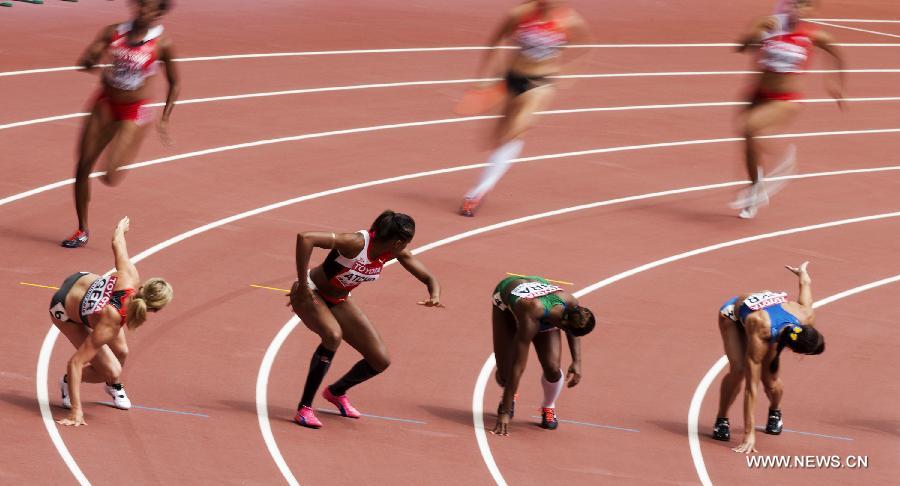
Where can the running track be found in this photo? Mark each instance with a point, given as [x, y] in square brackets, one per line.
[598, 197]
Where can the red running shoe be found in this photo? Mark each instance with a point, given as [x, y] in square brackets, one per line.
[548, 418]
[79, 239]
[469, 206]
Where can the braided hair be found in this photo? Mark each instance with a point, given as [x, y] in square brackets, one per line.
[393, 226]
[803, 339]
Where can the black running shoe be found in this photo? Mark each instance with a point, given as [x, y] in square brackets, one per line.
[775, 424]
[722, 430]
[548, 418]
[79, 239]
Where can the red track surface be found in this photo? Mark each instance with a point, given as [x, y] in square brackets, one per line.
[657, 335]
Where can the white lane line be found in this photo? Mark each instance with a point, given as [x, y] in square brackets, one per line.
[266, 94]
[481, 383]
[718, 366]
[698, 460]
[226, 148]
[262, 405]
[855, 28]
[43, 366]
[857, 21]
[478, 420]
[227, 57]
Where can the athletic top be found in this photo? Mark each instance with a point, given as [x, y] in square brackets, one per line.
[535, 288]
[539, 39]
[768, 301]
[99, 295]
[132, 64]
[347, 273]
[784, 50]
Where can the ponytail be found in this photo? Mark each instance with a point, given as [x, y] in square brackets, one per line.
[154, 294]
[390, 225]
[137, 311]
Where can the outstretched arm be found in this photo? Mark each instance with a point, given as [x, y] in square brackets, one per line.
[415, 267]
[91, 55]
[805, 299]
[754, 34]
[167, 56]
[124, 267]
[526, 329]
[836, 83]
[756, 351]
[101, 335]
[574, 374]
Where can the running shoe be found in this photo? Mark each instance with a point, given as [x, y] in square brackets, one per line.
[64, 392]
[342, 403]
[78, 239]
[775, 424]
[120, 398]
[307, 418]
[469, 206]
[722, 430]
[549, 420]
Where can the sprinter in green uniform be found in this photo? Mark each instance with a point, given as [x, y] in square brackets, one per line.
[531, 309]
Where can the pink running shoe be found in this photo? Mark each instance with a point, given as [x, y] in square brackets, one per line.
[342, 403]
[307, 418]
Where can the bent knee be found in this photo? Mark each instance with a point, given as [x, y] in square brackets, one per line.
[379, 362]
[331, 339]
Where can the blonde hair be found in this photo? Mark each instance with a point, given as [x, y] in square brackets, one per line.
[155, 293]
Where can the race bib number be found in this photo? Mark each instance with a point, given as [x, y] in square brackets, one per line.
[728, 312]
[765, 299]
[352, 279]
[531, 290]
[98, 295]
[58, 312]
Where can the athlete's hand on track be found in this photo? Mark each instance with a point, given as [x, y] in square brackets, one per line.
[76, 419]
[123, 225]
[798, 271]
[748, 445]
[574, 374]
[436, 302]
[163, 129]
[502, 425]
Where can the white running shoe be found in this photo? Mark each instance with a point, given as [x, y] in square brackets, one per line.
[758, 198]
[120, 398]
[64, 392]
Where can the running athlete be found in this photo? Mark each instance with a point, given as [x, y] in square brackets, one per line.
[119, 117]
[755, 329]
[93, 312]
[785, 44]
[321, 298]
[540, 28]
[532, 310]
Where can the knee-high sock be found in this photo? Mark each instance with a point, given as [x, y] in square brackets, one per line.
[318, 366]
[360, 372]
[499, 164]
[552, 390]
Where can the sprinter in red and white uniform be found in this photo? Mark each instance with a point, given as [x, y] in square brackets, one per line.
[540, 28]
[92, 311]
[785, 44]
[119, 117]
[321, 298]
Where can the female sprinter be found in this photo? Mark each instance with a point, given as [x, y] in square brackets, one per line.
[531, 310]
[785, 43]
[93, 311]
[321, 298]
[119, 116]
[540, 28]
[755, 329]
